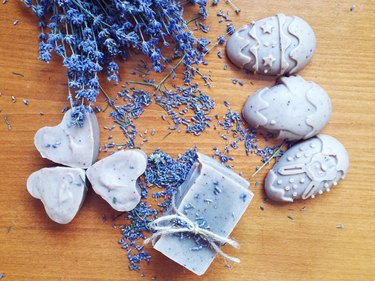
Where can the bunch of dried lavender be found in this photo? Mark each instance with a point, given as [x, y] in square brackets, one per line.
[91, 35]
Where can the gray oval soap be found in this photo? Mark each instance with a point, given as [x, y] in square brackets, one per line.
[294, 109]
[309, 168]
[275, 45]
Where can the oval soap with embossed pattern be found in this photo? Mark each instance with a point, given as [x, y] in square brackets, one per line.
[307, 169]
[277, 45]
[294, 109]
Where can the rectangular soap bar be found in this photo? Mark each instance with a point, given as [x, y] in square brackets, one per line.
[214, 197]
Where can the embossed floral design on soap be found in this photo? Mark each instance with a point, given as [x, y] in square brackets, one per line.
[277, 45]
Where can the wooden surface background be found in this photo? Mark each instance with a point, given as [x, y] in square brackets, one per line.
[273, 247]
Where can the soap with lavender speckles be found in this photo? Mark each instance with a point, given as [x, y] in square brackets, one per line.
[114, 178]
[61, 189]
[214, 197]
[307, 169]
[293, 109]
[68, 145]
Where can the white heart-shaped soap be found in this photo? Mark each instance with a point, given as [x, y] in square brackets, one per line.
[61, 190]
[307, 169]
[114, 178]
[72, 146]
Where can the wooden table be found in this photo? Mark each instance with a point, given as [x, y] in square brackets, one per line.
[273, 246]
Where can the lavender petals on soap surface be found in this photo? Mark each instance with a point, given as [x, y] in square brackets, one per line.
[61, 189]
[308, 168]
[70, 145]
[293, 109]
[277, 45]
[114, 178]
[214, 198]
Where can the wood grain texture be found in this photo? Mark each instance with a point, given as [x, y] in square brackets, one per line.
[273, 247]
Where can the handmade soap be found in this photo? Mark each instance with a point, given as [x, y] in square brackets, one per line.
[309, 168]
[61, 190]
[214, 198]
[294, 109]
[277, 45]
[114, 178]
[72, 146]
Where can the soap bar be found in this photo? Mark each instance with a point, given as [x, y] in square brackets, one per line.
[61, 189]
[308, 168]
[277, 45]
[215, 198]
[72, 146]
[294, 109]
[114, 178]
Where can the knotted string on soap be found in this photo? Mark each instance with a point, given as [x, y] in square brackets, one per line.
[192, 227]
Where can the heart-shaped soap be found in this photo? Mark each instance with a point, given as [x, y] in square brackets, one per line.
[61, 190]
[308, 168]
[68, 145]
[114, 178]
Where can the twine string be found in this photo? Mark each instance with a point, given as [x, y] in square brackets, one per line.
[162, 226]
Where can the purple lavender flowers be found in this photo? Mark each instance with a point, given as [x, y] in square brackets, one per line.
[91, 35]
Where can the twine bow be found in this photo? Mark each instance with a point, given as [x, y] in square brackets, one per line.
[191, 227]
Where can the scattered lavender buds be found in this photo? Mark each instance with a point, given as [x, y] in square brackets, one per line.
[135, 103]
[191, 99]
